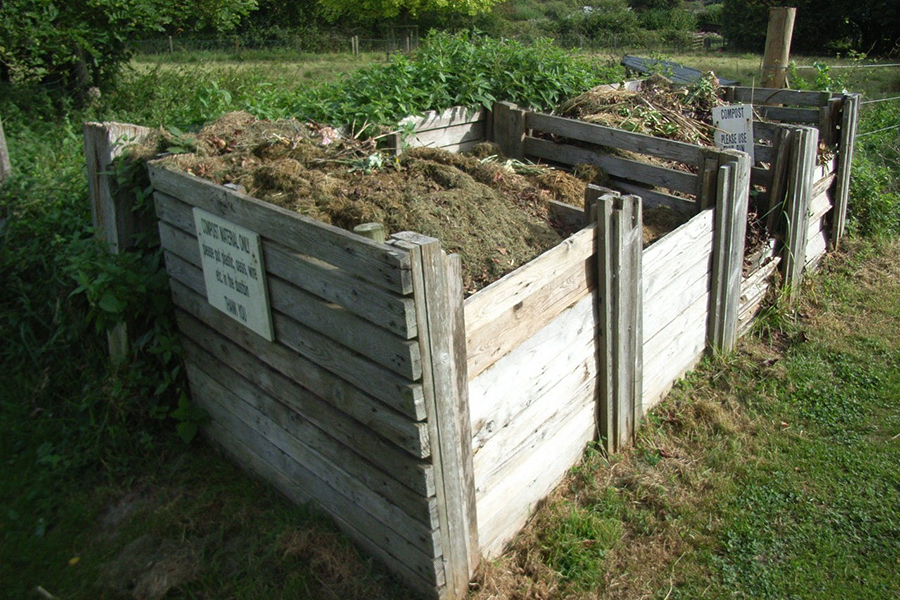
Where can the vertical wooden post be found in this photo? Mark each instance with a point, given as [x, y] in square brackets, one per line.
[509, 129]
[849, 121]
[171, 46]
[373, 231]
[620, 311]
[778, 46]
[438, 293]
[5, 165]
[804, 146]
[732, 195]
[113, 215]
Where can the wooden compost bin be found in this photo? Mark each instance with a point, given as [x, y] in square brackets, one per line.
[430, 427]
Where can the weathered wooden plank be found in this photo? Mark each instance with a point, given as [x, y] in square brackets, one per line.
[458, 115]
[571, 217]
[653, 198]
[290, 416]
[816, 246]
[507, 502]
[448, 136]
[509, 129]
[823, 185]
[761, 176]
[681, 245]
[779, 96]
[531, 371]
[788, 115]
[754, 290]
[763, 154]
[375, 304]
[361, 257]
[264, 459]
[392, 389]
[510, 310]
[679, 292]
[846, 144]
[619, 254]
[819, 206]
[336, 323]
[369, 417]
[616, 167]
[348, 476]
[616, 138]
[804, 145]
[765, 131]
[441, 325]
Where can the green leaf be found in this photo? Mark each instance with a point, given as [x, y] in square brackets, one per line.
[110, 303]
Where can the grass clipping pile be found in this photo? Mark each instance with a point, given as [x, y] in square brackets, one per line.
[493, 213]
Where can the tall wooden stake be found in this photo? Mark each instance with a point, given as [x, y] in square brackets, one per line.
[778, 46]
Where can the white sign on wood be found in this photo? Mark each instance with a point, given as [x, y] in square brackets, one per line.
[734, 127]
[233, 271]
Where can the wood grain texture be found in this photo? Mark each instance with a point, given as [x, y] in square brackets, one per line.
[441, 336]
[316, 454]
[354, 254]
[617, 167]
[265, 460]
[615, 138]
[458, 115]
[391, 311]
[846, 144]
[754, 290]
[788, 115]
[450, 136]
[510, 310]
[804, 145]
[509, 129]
[762, 95]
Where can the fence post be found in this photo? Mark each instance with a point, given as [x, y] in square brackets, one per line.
[112, 213]
[620, 311]
[801, 170]
[778, 46]
[509, 129]
[730, 229]
[5, 165]
[438, 293]
[849, 121]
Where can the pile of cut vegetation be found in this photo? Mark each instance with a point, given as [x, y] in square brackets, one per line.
[494, 213]
[659, 108]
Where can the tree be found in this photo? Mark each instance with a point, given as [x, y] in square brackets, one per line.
[74, 45]
[388, 9]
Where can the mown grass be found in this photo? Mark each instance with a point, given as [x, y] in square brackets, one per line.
[769, 474]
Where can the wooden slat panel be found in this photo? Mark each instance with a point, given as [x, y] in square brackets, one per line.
[680, 245]
[761, 176]
[780, 96]
[764, 154]
[291, 415]
[669, 305]
[510, 310]
[616, 167]
[823, 184]
[310, 448]
[668, 283]
[457, 115]
[765, 131]
[754, 289]
[363, 258]
[448, 136]
[388, 310]
[531, 370]
[280, 381]
[339, 325]
[568, 215]
[788, 115]
[816, 246]
[392, 389]
[506, 504]
[264, 459]
[616, 138]
[819, 206]
[652, 198]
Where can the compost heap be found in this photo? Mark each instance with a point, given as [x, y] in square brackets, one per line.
[660, 108]
[492, 211]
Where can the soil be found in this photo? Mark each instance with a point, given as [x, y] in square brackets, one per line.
[492, 211]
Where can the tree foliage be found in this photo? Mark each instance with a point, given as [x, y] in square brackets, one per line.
[75, 44]
[387, 9]
[871, 26]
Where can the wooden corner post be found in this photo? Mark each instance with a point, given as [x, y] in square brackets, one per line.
[620, 311]
[730, 229]
[847, 141]
[438, 293]
[509, 129]
[801, 171]
[112, 213]
[778, 46]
